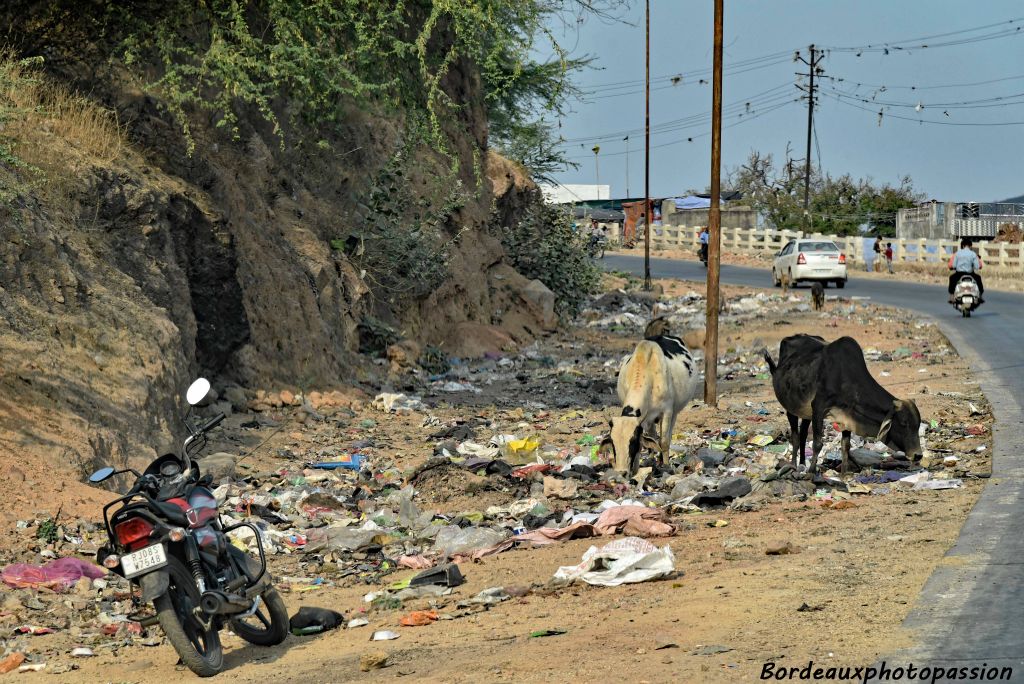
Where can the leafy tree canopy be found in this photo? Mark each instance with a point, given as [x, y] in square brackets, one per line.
[840, 205]
[300, 59]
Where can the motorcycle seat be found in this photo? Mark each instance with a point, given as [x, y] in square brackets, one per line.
[173, 513]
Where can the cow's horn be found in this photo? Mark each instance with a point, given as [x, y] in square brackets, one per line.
[883, 430]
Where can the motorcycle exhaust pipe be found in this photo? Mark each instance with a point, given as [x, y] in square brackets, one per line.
[216, 602]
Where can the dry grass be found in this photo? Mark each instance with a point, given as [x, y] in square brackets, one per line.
[48, 132]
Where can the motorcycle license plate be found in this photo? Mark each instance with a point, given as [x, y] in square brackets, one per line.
[144, 560]
[968, 300]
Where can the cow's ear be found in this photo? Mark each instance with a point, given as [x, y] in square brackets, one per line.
[883, 431]
[897, 405]
[650, 443]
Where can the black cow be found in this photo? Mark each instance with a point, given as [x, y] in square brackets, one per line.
[814, 381]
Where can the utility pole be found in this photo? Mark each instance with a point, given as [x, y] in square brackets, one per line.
[626, 140]
[714, 222]
[597, 170]
[647, 152]
[812, 67]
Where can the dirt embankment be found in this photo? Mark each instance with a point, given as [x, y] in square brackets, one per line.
[129, 267]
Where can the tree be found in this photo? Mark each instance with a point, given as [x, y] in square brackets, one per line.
[772, 192]
[840, 205]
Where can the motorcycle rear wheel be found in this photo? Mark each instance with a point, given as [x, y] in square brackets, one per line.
[199, 648]
[268, 626]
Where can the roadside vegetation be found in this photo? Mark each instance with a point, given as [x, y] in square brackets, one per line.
[46, 129]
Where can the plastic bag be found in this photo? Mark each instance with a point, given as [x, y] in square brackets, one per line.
[623, 561]
[452, 540]
[339, 538]
[59, 574]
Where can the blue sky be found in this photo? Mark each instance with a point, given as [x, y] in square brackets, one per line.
[946, 162]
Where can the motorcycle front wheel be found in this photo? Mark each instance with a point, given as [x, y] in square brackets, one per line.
[198, 647]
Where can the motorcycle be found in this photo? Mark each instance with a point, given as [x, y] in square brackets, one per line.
[966, 295]
[167, 537]
[703, 253]
[596, 246]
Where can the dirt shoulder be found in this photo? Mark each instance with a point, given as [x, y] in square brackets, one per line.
[858, 560]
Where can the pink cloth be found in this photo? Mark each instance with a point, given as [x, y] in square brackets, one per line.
[549, 535]
[418, 562]
[59, 574]
[637, 521]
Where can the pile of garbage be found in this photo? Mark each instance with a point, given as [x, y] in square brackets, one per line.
[514, 469]
[631, 311]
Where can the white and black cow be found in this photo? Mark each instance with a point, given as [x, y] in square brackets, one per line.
[655, 382]
[815, 380]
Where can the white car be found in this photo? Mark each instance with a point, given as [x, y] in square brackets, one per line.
[809, 260]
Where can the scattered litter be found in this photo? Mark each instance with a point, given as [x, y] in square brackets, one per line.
[384, 635]
[547, 633]
[622, 561]
[310, 620]
[711, 650]
[951, 483]
[59, 574]
[419, 618]
[11, 662]
[397, 403]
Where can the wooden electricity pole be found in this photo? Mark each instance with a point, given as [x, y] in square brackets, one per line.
[714, 222]
[647, 153]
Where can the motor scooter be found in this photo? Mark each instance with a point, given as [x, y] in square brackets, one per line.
[966, 295]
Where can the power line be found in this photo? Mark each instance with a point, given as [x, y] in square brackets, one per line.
[1012, 28]
[881, 113]
[759, 114]
[589, 96]
[770, 96]
[817, 147]
[685, 76]
[916, 43]
[984, 103]
[882, 87]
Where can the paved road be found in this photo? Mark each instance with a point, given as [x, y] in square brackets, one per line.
[971, 610]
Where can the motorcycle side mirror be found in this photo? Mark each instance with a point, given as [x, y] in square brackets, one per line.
[101, 475]
[197, 391]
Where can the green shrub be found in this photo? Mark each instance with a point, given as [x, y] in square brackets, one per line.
[545, 246]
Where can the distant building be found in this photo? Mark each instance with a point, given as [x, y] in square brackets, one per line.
[950, 220]
[574, 193]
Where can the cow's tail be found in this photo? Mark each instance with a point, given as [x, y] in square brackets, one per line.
[768, 359]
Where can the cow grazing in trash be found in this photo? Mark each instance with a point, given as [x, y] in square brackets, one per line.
[815, 380]
[655, 382]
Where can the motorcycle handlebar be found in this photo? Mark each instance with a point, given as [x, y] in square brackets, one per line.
[212, 423]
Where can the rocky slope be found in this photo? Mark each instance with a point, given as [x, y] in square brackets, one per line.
[150, 266]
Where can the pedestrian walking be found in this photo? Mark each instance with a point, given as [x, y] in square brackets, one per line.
[876, 255]
[888, 256]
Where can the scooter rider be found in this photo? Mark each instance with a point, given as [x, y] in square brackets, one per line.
[965, 262]
[704, 237]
